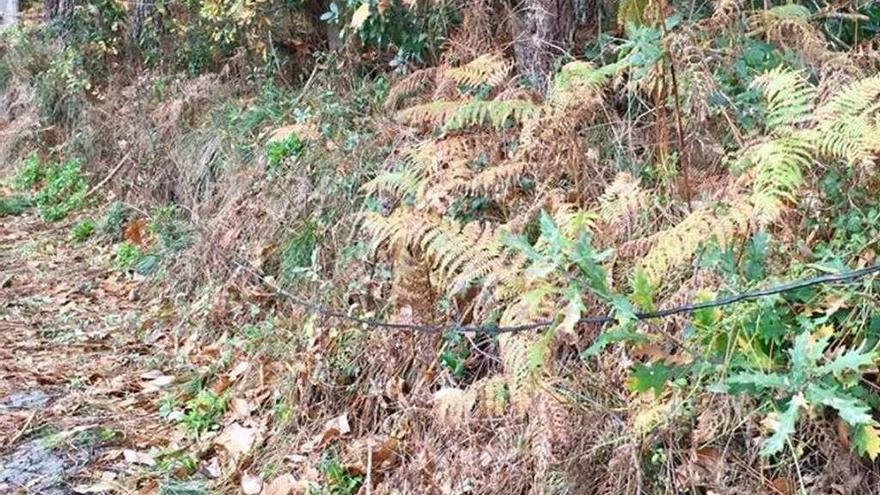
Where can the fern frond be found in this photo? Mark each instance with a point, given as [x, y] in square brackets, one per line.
[580, 83]
[495, 113]
[847, 124]
[458, 115]
[622, 199]
[789, 98]
[498, 180]
[778, 172]
[490, 70]
[410, 85]
[405, 182]
[675, 247]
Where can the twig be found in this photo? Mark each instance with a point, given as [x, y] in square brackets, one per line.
[682, 155]
[23, 429]
[110, 175]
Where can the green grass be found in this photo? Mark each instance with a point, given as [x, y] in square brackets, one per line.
[83, 230]
[14, 205]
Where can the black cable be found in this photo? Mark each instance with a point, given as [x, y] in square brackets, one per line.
[588, 320]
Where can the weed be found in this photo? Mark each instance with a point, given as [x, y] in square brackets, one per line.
[83, 230]
[127, 255]
[14, 205]
[298, 256]
[169, 229]
[117, 214]
[278, 151]
[203, 411]
[339, 480]
[29, 174]
[455, 354]
[64, 190]
[179, 487]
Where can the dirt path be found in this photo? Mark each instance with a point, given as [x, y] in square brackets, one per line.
[80, 366]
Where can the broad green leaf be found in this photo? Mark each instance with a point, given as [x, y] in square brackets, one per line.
[851, 360]
[783, 426]
[804, 355]
[623, 333]
[760, 380]
[588, 261]
[520, 243]
[551, 233]
[850, 409]
[866, 441]
[651, 376]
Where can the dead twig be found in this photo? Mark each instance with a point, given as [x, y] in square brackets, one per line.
[110, 175]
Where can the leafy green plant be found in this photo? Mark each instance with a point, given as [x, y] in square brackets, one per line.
[298, 256]
[167, 226]
[455, 354]
[812, 380]
[83, 230]
[202, 412]
[115, 219]
[128, 255]
[30, 174]
[338, 480]
[278, 151]
[14, 205]
[64, 190]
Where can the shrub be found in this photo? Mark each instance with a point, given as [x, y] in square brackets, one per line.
[64, 190]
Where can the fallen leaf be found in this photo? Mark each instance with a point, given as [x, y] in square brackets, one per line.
[99, 487]
[360, 16]
[335, 428]
[134, 457]
[282, 485]
[251, 485]
[134, 232]
[784, 486]
[159, 383]
[237, 439]
[241, 408]
[239, 370]
[213, 468]
[222, 383]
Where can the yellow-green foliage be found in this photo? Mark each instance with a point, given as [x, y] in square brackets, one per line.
[800, 132]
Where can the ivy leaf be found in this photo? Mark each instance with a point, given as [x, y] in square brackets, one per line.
[623, 333]
[649, 376]
[360, 16]
[783, 427]
[851, 360]
[867, 441]
[850, 409]
[760, 380]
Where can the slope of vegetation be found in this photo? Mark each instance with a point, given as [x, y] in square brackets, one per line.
[468, 164]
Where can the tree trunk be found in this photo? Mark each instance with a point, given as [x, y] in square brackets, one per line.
[59, 9]
[542, 30]
[141, 11]
[10, 13]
